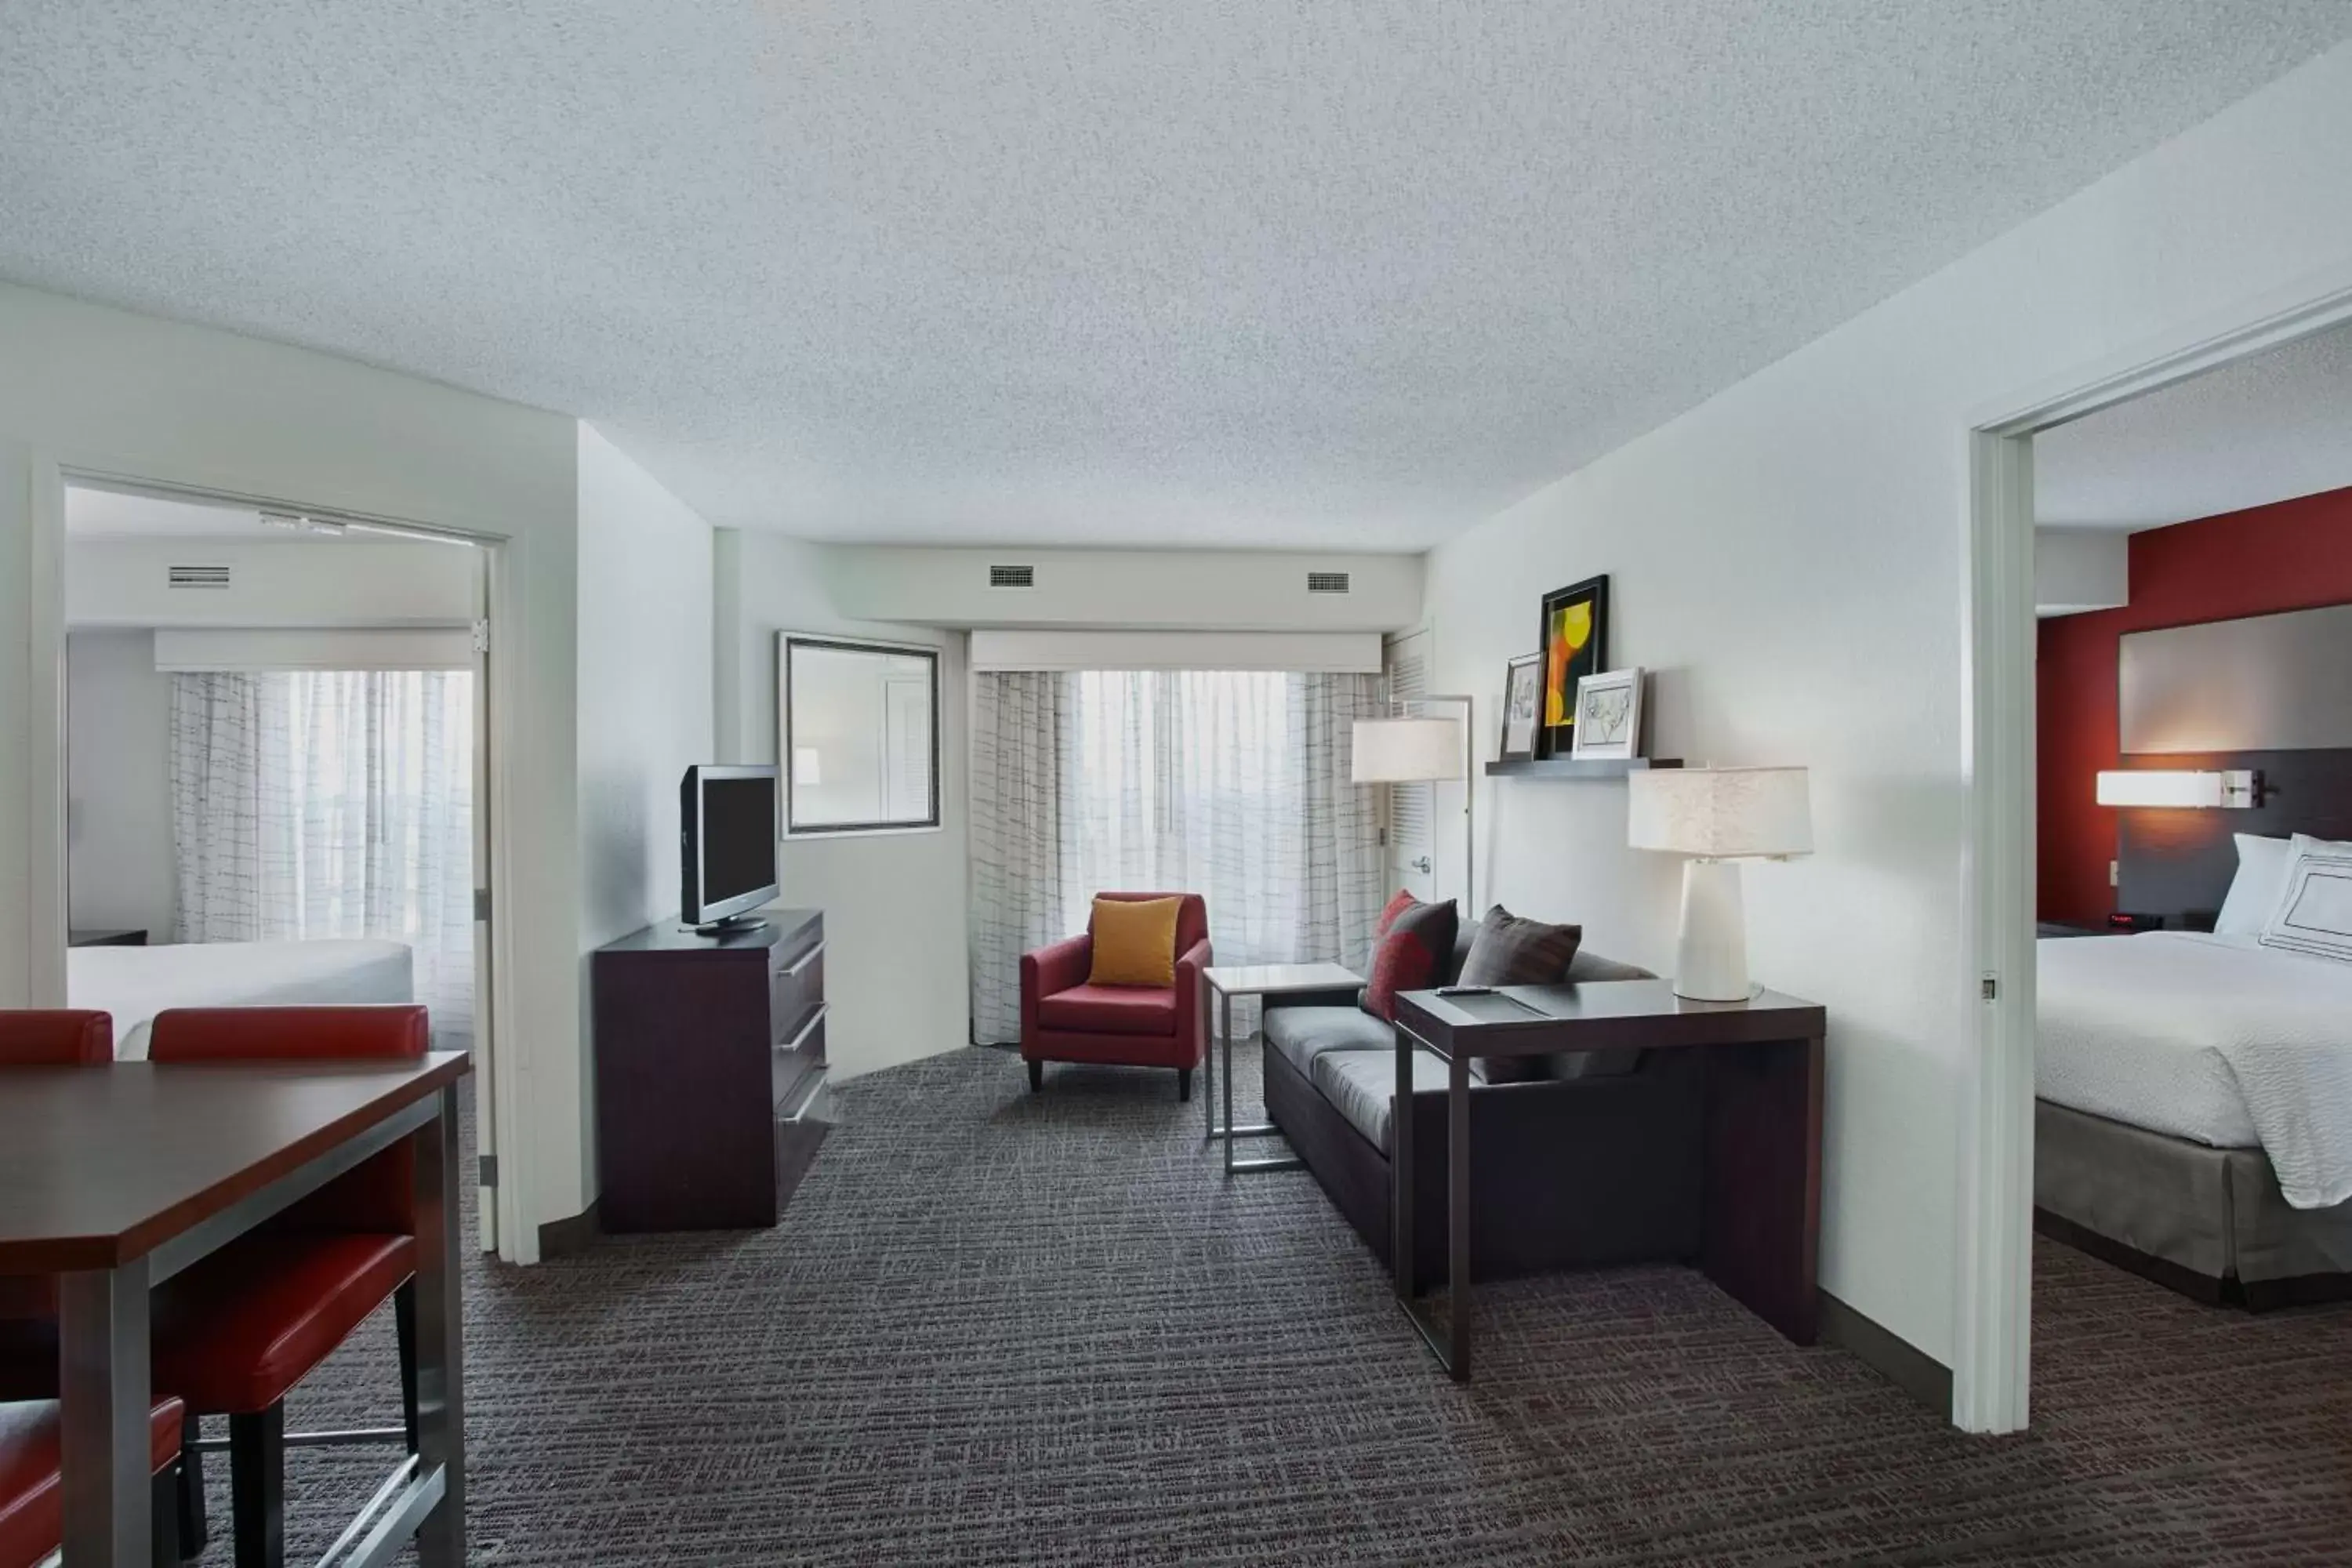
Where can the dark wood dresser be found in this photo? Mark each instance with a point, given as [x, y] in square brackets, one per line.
[710, 1097]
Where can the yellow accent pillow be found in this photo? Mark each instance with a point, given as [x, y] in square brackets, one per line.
[1135, 942]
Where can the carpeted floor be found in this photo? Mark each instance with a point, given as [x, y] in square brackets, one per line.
[1004, 1329]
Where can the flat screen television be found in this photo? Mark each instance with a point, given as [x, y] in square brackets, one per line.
[727, 845]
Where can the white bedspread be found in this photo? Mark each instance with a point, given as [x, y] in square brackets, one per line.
[2209, 1037]
[134, 984]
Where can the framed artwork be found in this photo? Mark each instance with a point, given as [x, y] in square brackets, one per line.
[1575, 645]
[1522, 686]
[1609, 715]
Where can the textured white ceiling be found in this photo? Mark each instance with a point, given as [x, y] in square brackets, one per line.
[2263, 430]
[1286, 272]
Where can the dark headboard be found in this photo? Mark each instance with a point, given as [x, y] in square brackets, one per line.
[2175, 862]
[2273, 694]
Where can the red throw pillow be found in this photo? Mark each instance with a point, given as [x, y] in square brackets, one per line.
[1397, 906]
[1411, 955]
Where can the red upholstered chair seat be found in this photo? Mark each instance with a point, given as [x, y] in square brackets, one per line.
[1110, 1009]
[234, 1334]
[32, 1500]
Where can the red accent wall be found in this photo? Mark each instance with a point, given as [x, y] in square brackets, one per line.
[2294, 555]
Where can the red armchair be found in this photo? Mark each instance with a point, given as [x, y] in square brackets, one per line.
[1065, 1019]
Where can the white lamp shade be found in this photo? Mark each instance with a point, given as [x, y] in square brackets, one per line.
[1720, 813]
[1407, 751]
[2153, 786]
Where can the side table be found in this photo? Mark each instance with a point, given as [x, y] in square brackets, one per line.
[1761, 1064]
[1218, 985]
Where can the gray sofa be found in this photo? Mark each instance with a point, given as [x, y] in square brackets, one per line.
[1595, 1161]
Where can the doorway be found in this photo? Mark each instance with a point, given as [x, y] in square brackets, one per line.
[278, 771]
[1992, 1320]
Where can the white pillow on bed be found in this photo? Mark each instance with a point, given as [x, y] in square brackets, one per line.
[2314, 914]
[2255, 890]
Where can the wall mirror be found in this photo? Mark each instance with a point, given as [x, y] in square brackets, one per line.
[859, 736]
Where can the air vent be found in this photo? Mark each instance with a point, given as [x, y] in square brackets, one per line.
[1327, 581]
[1012, 576]
[199, 576]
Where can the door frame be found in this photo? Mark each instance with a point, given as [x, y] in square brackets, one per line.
[1992, 1317]
[498, 1092]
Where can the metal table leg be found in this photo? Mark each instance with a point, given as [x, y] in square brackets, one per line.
[1255, 1128]
[1208, 1068]
[102, 1366]
[1450, 1344]
[1225, 1039]
[440, 1360]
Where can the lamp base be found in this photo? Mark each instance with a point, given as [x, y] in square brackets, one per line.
[1711, 959]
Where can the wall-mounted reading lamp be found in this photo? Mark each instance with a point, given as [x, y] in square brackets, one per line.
[2155, 786]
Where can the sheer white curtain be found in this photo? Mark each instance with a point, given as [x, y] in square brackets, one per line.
[332, 804]
[1231, 785]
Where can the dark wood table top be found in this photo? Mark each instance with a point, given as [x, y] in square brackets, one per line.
[1600, 1016]
[100, 1166]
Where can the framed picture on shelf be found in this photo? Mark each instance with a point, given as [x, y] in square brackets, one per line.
[1575, 645]
[1522, 685]
[1609, 715]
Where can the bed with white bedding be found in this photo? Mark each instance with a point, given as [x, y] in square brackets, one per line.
[2196, 1108]
[134, 984]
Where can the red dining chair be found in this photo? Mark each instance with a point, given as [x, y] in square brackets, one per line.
[28, 1303]
[59, 1037]
[236, 1330]
[32, 1482]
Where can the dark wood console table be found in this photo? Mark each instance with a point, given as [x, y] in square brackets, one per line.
[1762, 1071]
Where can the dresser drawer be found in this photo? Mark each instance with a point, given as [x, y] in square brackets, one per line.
[795, 991]
[793, 1060]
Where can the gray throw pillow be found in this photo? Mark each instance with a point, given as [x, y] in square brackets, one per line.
[1511, 950]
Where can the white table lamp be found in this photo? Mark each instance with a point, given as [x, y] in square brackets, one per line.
[1411, 750]
[1718, 817]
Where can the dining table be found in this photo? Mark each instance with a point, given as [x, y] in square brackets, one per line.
[113, 1179]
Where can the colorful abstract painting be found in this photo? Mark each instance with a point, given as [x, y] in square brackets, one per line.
[1575, 645]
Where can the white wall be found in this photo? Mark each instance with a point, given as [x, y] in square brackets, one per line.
[896, 958]
[2078, 569]
[1788, 558]
[645, 715]
[1135, 589]
[108, 391]
[347, 582]
[118, 783]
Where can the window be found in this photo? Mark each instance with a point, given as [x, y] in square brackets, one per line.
[860, 736]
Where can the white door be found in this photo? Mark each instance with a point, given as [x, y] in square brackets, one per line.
[485, 1122]
[1408, 807]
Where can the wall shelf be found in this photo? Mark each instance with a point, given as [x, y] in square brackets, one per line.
[1578, 767]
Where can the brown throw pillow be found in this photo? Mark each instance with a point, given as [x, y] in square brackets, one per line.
[1512, 950]
[1135, 942]
[1410, 955]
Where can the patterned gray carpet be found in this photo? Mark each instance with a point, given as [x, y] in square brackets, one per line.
[999, 1329]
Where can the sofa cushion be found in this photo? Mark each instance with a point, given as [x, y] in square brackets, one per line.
[1110, 1009]
[1361, 1084]
[1302, 1034]
[1412, 956]
[1135, 942]
[1511, 950]
[1590, 965]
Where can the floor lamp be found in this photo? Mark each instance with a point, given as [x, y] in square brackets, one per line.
[1405, 749]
